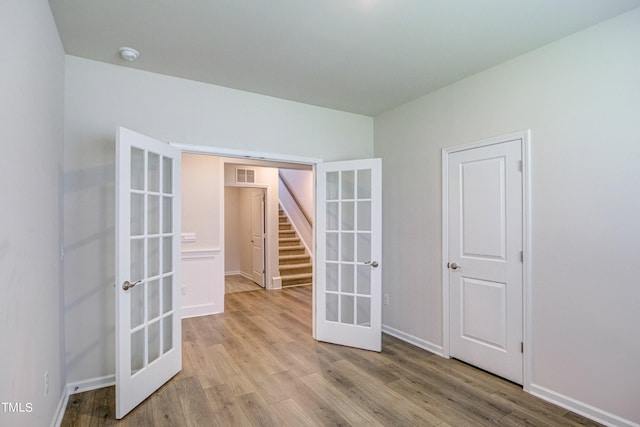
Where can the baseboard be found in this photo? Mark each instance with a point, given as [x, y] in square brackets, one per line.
[232, 273]
[79, 387]
[581, 408]
[61, 408]
[418, 342]
[199, 310]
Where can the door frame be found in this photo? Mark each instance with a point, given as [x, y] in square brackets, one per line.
[266, 157]
[525, 137]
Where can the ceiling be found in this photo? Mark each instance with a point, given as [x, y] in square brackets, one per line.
[361, 56]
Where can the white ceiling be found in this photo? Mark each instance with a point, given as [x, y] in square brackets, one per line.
[362, 56]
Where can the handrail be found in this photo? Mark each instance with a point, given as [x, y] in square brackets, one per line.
[295, 199]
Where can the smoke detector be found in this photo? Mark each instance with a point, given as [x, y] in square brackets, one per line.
[128, 53]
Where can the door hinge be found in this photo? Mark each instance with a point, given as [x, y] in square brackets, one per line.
[521, 256]
[520, 165]
[521, 347]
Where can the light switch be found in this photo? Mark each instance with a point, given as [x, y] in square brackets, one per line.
[188, 237]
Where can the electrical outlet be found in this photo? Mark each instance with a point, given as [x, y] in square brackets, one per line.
[386, 299]
[46, 383]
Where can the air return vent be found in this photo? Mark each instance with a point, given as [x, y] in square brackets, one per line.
[245, 176]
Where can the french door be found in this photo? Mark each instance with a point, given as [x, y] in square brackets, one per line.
[349, 247]
[148, 328]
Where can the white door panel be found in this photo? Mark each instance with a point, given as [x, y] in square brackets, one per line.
[349, 247]
[148, 328]
[485, 244]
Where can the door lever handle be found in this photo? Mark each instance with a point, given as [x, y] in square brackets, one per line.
[373, 264]
[127, 285]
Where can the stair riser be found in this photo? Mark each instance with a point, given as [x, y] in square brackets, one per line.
[300, 270]
[293, 282]
[304, 260]
[287, 243]
[292, 251]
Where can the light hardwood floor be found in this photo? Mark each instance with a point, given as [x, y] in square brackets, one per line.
[257, 365]
[238, 283]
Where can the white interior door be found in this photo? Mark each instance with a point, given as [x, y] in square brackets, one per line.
[348, 252]
[485, 257]
[148, 334]
[257, 235]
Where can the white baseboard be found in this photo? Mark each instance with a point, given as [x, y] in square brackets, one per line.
[199, 310]
[581, 408]
[238, 273]
[418, 342]
[79, 387]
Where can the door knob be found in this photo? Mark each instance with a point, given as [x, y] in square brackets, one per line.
[453, 266]
[127, 285]
[373, 264]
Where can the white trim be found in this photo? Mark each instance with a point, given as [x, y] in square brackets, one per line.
[581, 408]
[199, 253]
[60, 409]
[198, 310]
[418, 342]
[244, 154]
[527, 322]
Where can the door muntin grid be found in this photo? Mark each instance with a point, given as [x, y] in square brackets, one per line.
[348, 247]
[151, 238]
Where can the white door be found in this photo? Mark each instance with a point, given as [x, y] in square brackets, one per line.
[485, 258]
[148, 334]
[348, 252]
[257, 235]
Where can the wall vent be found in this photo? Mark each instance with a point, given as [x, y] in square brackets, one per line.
[245, 176]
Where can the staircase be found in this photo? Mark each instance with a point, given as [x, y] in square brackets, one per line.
[295, 262]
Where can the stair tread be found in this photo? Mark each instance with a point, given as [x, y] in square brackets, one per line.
[296, 276]
[290, 257]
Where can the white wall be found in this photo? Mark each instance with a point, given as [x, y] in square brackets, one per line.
[232, 231]
[581, 99]
[301, 184]
[31, 130]
[99, 98]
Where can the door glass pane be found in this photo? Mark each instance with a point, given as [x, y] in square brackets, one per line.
[137, 260]
[332, 307]
[154, 256]
[346, 278]
[333, 212]
[167, 334]
[332, 246]
[364, 280]
[153, 299]
[347, 309]
[364, 247]
[333, 182]
[137, 351]
[346, 247]
[137, 169]
[348, 218]
[153, 207]
[167, 250]
[167, 168]
[153, 183]
[364, 311]
[154, 341]
[364, 184]
[332, 277]
[167, 215]
[348, 185]
[137, 305]
[364, 216]
[167, 301]
[137, 214]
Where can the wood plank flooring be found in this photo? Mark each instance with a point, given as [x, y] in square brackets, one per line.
[238, 283]
[257, 365]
